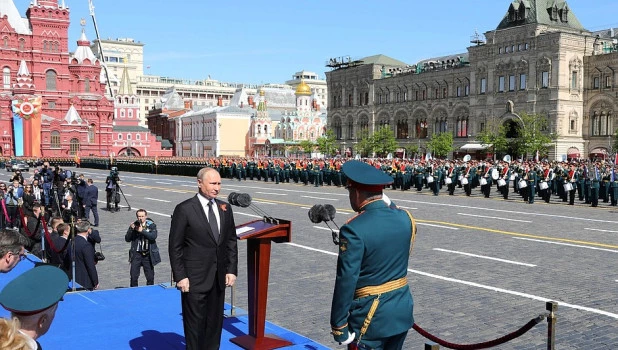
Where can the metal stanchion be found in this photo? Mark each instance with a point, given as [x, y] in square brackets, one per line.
[431, 346]
[552, 307]
[233, 302]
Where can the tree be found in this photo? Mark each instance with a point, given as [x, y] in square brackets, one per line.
[365, 145]
[441, 144]
[307, 146]
[384, 141]
[326, 143]
[494, 134]
[534, 134]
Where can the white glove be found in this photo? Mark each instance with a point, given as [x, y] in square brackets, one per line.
[350, 339]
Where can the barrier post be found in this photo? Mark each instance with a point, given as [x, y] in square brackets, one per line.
[431, 346]
[552, 307]
[233, 296]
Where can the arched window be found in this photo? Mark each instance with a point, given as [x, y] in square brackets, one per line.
[87, 85]
[119, 136]
[128, 136]
[50, 80]
[462, 127]
[74, 146]
[22, 44]
[5, 42]
[138, 137]
[55, 139]
[91, 132]
[6, 78]
[130, 112]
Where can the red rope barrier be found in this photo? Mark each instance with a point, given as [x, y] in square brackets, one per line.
[488, 344]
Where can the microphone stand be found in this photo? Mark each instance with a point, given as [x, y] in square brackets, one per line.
[73, 253]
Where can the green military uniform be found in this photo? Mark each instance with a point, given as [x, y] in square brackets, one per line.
[374, 249]
[34, 293]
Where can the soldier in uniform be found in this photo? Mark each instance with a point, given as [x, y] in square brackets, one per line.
[595, 175]
[613, 187]
[32, 298]
[372, 303]
[572, 178]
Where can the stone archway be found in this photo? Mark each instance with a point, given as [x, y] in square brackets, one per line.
[512, 128]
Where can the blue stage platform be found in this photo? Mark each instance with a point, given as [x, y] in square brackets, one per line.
[135, 318]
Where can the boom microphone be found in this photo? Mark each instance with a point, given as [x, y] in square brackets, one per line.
[243, 200]
[324, 213]
[330, 211]
[316, 213]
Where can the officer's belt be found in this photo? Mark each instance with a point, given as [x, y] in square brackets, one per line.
[383, 288]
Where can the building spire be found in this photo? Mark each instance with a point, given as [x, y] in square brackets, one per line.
[125, 81]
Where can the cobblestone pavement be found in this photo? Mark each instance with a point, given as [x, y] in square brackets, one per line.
[481, 268]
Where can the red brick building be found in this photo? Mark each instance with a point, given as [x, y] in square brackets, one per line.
[52, 102]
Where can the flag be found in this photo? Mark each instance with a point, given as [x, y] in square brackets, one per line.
[77, 157]
[156, 160]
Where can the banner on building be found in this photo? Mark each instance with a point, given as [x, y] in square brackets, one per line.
[27, 126]
[27, 108]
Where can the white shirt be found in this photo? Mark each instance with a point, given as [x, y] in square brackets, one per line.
[204, 201]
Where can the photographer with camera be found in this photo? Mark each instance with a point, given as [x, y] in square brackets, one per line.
[12, 199]
[70, 208]
[57, 190]
[33, 230]
[17, 176]
[144, 251]
[113, 195]
[46, 179]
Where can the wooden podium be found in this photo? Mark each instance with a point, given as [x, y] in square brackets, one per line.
[259, 235]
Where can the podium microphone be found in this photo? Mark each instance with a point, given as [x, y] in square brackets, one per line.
[243, 200]
[324, 213]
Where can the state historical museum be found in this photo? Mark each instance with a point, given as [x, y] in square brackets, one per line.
[52, 102]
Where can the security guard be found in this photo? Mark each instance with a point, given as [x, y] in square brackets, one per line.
[372, 304]
[33, 297]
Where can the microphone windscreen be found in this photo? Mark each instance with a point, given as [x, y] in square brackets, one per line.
[232, 198]
[315, 213]
[331, 211]
[244, 200]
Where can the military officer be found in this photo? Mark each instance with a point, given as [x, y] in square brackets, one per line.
[595, 176]
[32, 298]
[613, 186]
[373, 306]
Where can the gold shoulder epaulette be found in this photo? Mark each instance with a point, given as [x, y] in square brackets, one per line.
[354, 217]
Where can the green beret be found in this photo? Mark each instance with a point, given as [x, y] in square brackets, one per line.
[364, 174]
[35, 290]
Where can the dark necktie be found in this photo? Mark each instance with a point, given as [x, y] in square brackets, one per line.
[212, 220]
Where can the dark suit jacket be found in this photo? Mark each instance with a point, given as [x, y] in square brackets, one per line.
[69, 210]
[85, 269]
[150, 233]
[91, 195]
[193, 251]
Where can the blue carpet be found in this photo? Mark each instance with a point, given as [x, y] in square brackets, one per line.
[135, 318]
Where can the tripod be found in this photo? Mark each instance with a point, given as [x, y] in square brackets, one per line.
[123, 196]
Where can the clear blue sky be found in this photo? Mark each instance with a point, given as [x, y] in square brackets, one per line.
[267, 41]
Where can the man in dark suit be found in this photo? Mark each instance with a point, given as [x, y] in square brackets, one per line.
[85, 268]
[204, 260]
[91, 196]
